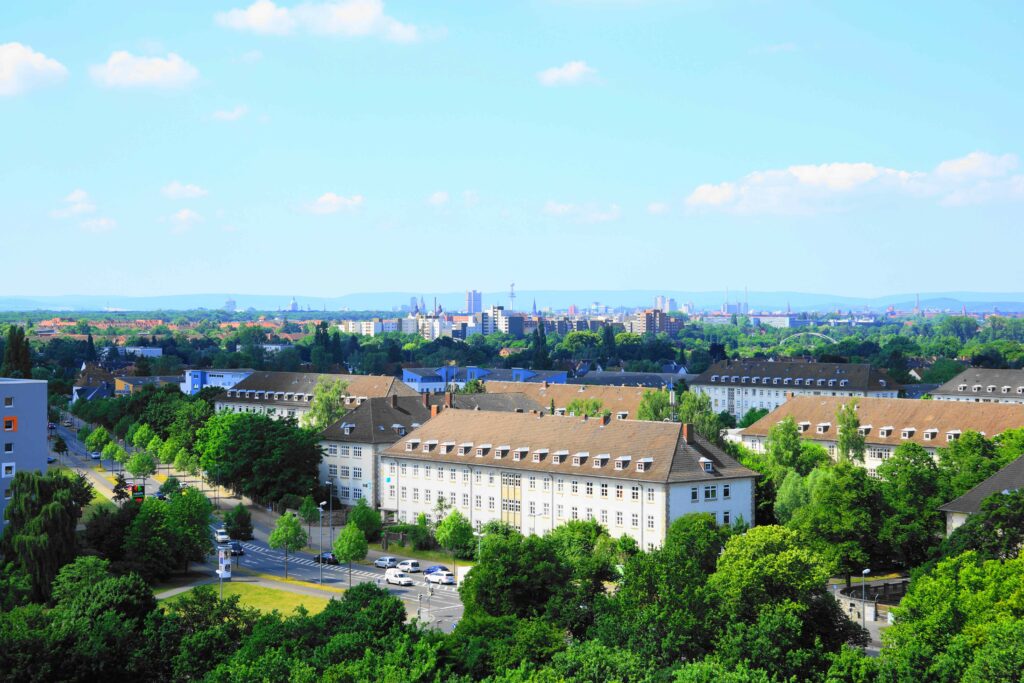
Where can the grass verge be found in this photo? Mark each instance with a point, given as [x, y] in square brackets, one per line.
[431, 556]
[266, 599]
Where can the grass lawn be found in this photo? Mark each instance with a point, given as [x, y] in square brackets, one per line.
[856, 580]
[267, 599]
[98, 501]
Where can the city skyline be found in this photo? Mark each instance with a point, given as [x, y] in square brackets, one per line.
[178, 151]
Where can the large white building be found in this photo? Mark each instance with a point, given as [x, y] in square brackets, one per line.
[23, 435]
[886, 423]
[737, 386]
[536, 472]
[197, 380]
[981, 385]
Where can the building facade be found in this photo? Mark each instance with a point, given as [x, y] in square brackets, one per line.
[1009, 478]
[535, 473]
[23, 434]
[737, 386]
[197, 380]
[886, 423]
[981, 385]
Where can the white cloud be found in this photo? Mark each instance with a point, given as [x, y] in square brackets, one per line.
[75, 204]
[439, 198]
[183, 220]
[583, 213]
[657, 208]
[330, 202]
[125, 70]
[22, 68]
[975, 178]
[176, 190]
[99, 225]
[570, 73]
[231, 114]
[350, 18]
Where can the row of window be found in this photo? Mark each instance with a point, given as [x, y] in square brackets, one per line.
[797, 381]
[622, 462]
[343, 471]
[344, 450]
[710, 492]
[991, 388]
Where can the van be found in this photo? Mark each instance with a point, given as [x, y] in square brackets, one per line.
[397, 577]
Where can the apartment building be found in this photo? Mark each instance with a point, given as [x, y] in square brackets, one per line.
[981, 385]
[433, 380]
[738, 386]
[197, 380]
[886, 423]
[290, 394]
[536, 472]
[22, 432]
[1009, 478]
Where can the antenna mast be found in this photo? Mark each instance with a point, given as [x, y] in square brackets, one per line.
[512, 297]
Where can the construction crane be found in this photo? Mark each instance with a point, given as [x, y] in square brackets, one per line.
[512, 297]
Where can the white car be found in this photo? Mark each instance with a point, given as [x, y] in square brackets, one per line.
[397, 577]
[411, 566]
[386, 562]
[446, 578]
[221, 536]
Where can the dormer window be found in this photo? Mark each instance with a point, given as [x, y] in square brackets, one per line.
[907, 433]
[797, 381]
[601, 460]
[821, 382]
[976, 388]
[412, 444]
[1006, 390]
[429, 445]
[743, 380]
[952, 435]
[804, 426]
[930, 434]
[991, 388]
[559, 411]
[621, 415]
[735, 378]
[464, 448]
[706, 464]
[843, 382]
[622, 462]
[831, 382]
[714, 378]
[764, 380]
[883, 383]
[482, 449]
[962, 387]
[823, 427]
[644, 464]
[447, 447]
[864, 430]
[885, 431]
[558, 457]
[575, 461]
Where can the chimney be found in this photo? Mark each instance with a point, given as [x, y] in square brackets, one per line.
[585, 417]
[605, 419]
[689, 433]
[426, 400]
[448, 399]
[394, 400]
[433, 411]
[545, 384]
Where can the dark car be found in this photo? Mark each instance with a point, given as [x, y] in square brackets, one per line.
[326, 558]
[436, 568]
[236, 548]
[50, 459]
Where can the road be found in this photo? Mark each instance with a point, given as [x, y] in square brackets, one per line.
[438, 605]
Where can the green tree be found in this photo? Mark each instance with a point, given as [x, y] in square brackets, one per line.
[792, 496]
[783, 445]
[350, 546]
[696, 409]
[309, 511]
[367, 519]
[911, 523]
[60, 446]
[288, 536]
[238, 522]
[454, 533]
[995, 532]
[473, 386]
[965, 463]
[97, 439]
[591, 407]
[142, 436]
[121, 492]
[654, 406]
[171, 486]
[850, 444]
[328, 405]
[146, 543]
[141, 465]
[17, 361]
[752, 416]
[188, 519]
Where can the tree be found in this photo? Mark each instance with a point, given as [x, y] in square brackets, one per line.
[473, 386]
[146, 543]
[238, 522]
[591, 407]
[654, 406]
[752, 416]
[60, 446]
[792, 496]
[171, 486]
[783, 445]
[350, 546]
[121, 492]
[142, 436]
[188, 520]
[367, 519]
[454, 533]
[141, 465]
[309, 511]
[17, 360]
[911, 523]
[696, 409]
[97, 439]
[287, 536]
[328, 405]
[995, 532]
[850, 444]
[965, 463]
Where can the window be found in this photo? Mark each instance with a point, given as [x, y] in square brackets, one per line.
[476, 476]
[604, 516]
[332, 449]
[343, 471]
[590, 514]
[725, 517]
[635, 493]
[451, 474]
[560, 486]
[403, 469]
[490, 477]
[726, 492]
[693, 495]
[357, 472]
[710, 493]
[415, 494]
[575, 487]
[415, 470]
[10, 424]
[465, 476]
[618, 491]
[635, 518]
[590, 488]
[426, 496]
[618, 518]
[490, 503]
[650, 521]
[357, 493]
[650, 495]
[391, 491]
[547, 509]
[8, 401]
[404, 490]
[332, 470]
[574, 512]
[604, 490]
[343, 450]
[451, 498]
[8, 448]
[547, 484]
[476, 502]
[357, 451]
[343, 492]
[8, 471]
[392, 468]
[532, 508]
[426, 471]
[532, 482]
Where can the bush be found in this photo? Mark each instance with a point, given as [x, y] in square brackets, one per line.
[290, 501]
[418, 536]
[238, 523]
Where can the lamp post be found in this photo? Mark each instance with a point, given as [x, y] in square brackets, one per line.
[330, 497]
[321, 508]
[863, 596]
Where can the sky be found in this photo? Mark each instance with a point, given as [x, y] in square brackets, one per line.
[335, 146]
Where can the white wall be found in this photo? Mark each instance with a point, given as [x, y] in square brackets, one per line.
[739, 504]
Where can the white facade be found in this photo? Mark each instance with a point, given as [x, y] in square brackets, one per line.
[197, 380]
[741, 398]
[352, 468]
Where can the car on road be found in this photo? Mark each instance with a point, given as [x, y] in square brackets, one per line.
[411, 566]
[386, 562]
[397, 577]
[159, 495]
[221, 536]
[436, 568]
[50, 425]
[95, 455]
[50, 459]
[326, 558]
[67, 422]
[446, 578]
[236, 548]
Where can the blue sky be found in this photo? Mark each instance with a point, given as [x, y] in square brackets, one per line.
[322, 148]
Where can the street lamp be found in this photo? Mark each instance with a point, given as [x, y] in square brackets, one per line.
[330, 497]
[321, 508]
[863, 596]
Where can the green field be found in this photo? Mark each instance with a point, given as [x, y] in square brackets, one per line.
[267, 599]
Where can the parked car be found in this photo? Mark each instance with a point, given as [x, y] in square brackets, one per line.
[411, 566]
[386, 562]
[436, 568]
[159, 495]
[95, 455]
[221, 536]
[236, 548]
[50, 425]
[397, 577]
[326, 558]
[67, 422]
[445, 577]
[50, 459]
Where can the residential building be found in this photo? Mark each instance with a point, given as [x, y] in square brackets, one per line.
[1006, 480]
[128, 385]
[474, 302]
[140, 351]
[433, 380]
[653, 321]
[23, 437]
[197, 380]
[781, 321]
[657, 380]
[290, 394]
[981, 385]
[737, 386]
[92, 382]
[886, 423]
[622, 401]
[536, 472]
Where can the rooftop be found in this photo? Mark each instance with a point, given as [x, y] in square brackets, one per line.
[849, 376]
[614, 398]
[1010, 478]
[983, 381]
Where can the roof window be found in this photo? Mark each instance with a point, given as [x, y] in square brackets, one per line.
[601, 459]
[644, 464]
[706, 464]
[823, 427]
[952, 435]
[411, 444]
[907, 433]
[886, 431]
[465, 447]
[622, 462]
[930, 434]
[804, 426]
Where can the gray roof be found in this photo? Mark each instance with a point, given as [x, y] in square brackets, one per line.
[991, 384]
[375, 419]
[1010, 478]
[506, 403]
[627, 379]
[305, 383]
[861, 376]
